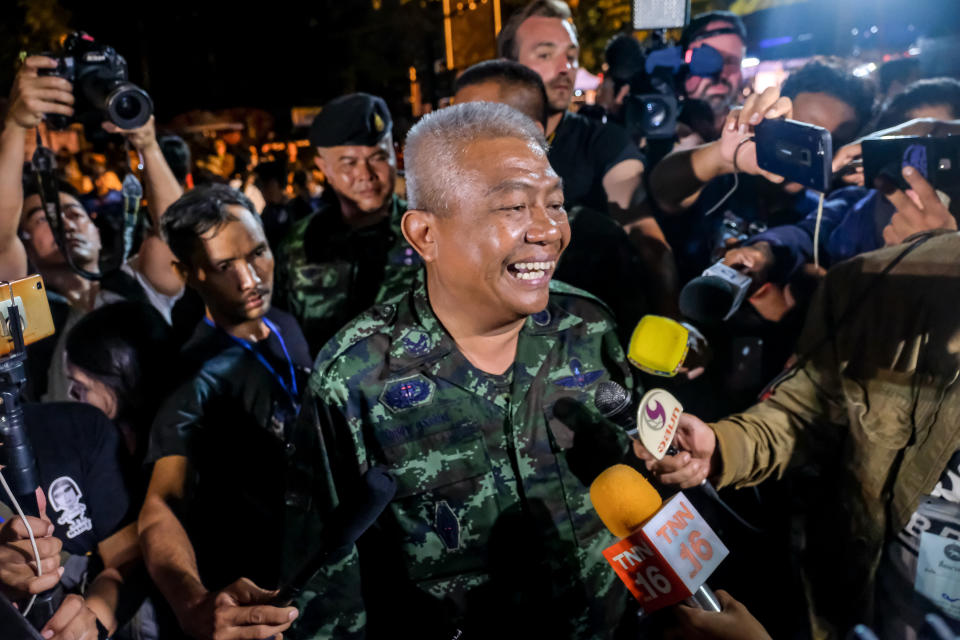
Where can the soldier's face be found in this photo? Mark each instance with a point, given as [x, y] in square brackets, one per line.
[232, 269]
[498, 246]
[549, 46]
[362, 175]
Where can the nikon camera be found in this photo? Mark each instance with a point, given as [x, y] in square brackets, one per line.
[100, 87]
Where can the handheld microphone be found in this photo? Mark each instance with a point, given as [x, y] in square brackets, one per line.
[654, 422]
[132, 195]
[347, 523]
[715, 295]
[667, 550]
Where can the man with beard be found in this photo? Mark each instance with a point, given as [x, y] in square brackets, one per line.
[463, 388]
[27, 242]
[600, 165]
[350, 253]
[218, 443]
[725, 32]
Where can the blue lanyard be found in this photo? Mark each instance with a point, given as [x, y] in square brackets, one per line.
[290, 390]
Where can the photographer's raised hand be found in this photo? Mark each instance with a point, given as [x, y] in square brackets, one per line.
[739, 126]
[155, 259]
[678, 179]
[34, 95]
[31, 96]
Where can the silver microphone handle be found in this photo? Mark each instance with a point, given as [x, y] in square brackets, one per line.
[705, 599]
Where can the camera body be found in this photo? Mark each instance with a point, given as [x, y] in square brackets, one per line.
[101, 89]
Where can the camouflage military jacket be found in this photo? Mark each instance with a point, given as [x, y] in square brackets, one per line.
[492, 521]
[328, 273]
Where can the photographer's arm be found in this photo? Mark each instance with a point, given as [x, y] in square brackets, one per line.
[31, 96]
[154, 260]
[677, 181]
[623, 183]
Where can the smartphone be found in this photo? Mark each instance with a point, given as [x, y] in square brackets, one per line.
[798, 151]
[30, 297]
[936, 159]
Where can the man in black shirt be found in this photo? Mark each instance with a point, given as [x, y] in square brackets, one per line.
[600, 166]
[218, 443]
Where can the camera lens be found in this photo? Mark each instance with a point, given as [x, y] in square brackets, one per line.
[129, 106]
[656, 113]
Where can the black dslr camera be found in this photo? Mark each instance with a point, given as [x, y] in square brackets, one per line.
[100, 87]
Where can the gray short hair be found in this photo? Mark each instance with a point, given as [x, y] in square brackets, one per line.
[434, 145]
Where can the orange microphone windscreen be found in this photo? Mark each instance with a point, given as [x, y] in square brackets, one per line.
[623, 499]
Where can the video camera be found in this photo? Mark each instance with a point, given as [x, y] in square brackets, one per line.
[656, 75]
[100, 86]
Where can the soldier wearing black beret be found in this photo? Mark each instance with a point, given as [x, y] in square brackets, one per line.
[350, 253]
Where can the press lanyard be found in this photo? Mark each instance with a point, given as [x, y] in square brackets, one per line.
[291, 390]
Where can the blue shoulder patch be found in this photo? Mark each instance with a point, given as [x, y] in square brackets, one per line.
[580, 378]
[416, 343]
[406, 393]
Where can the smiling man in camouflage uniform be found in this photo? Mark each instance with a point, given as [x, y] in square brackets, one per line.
[465, 388]
[350, 253]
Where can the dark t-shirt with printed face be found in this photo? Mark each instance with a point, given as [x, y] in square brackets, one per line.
[79, 458]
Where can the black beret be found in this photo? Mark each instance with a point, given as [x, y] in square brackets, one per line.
[356, 119]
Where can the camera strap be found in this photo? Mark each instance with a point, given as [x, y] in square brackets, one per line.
[44, 164]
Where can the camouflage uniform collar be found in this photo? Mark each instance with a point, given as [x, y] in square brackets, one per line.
[418, 336]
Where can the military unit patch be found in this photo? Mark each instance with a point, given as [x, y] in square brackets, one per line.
[541, 318]
[580, 378]
[407, 393]
[416, 343]
[447, 526]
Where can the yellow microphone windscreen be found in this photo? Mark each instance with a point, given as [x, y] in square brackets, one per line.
[623, 499]
[658, 345]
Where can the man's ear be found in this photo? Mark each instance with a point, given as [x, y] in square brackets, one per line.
[420, 229]
[182, 271]
[318, 160]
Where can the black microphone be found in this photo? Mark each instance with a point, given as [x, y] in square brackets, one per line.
[715, 295]
[346, 524]
[615, 404]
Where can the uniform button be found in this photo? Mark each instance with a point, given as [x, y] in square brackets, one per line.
[290, 448]
[386, 311]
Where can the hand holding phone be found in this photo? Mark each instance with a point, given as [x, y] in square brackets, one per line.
[918, 209]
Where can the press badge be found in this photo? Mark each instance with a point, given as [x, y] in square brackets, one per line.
[938, 572]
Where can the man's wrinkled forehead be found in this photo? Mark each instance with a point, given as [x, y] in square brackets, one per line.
[492, 163]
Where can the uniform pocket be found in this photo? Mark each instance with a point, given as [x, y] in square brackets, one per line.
[446, 503]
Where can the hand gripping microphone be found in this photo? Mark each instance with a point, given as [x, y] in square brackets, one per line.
[667, 550]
